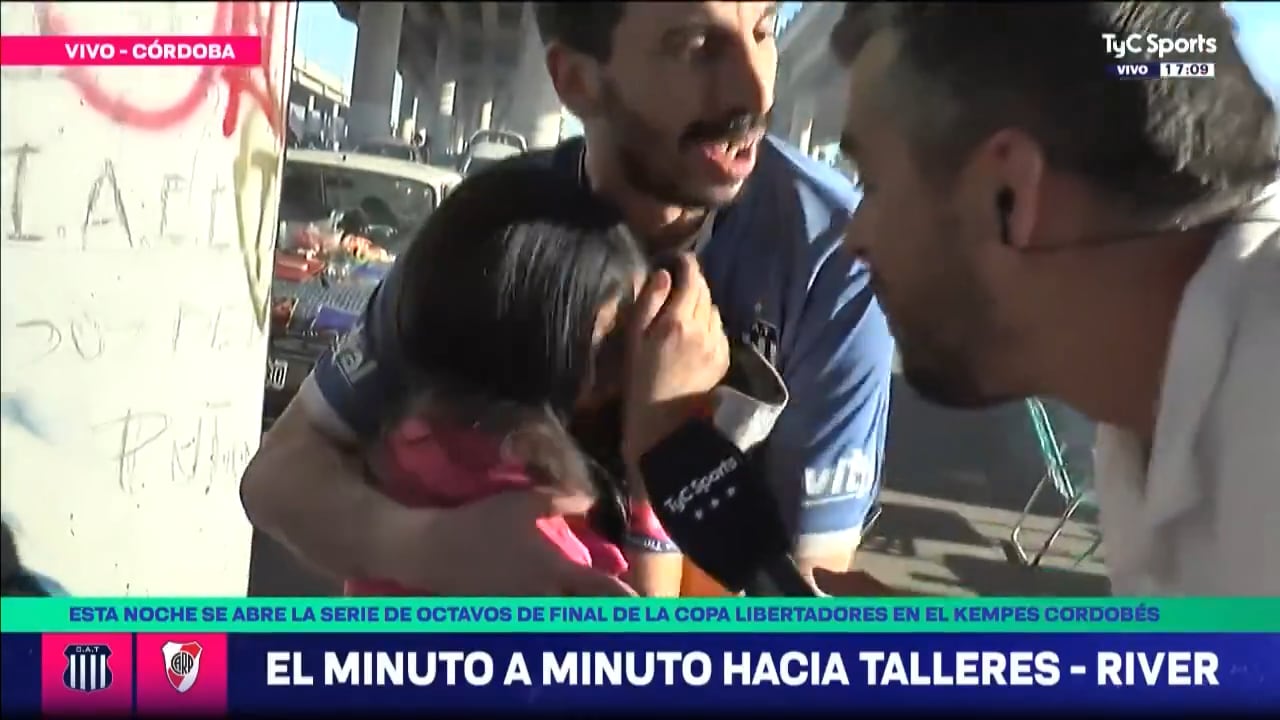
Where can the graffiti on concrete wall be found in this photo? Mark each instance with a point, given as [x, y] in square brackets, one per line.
[231, 18]
[137, 205]
[250, 91]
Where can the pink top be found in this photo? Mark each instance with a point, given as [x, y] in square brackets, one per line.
[446, 469]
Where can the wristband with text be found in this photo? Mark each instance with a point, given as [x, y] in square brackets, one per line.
[646, 532]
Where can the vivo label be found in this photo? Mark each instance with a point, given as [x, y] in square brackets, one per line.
[90, 51]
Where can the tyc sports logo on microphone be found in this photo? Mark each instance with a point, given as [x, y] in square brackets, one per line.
[702, 486]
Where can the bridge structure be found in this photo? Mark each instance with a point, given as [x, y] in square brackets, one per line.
[464, 66]
[467, 66]
[811, 89]
[319, 102]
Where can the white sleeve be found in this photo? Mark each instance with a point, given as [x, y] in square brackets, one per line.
[1247, 457]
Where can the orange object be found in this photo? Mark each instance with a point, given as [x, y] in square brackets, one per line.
[695, 583]
[282, 312]
[295, 267]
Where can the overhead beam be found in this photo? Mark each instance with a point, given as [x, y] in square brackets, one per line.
[489, 18]
[805, 42]
[419, 13]
[813, 19]
[453, 16]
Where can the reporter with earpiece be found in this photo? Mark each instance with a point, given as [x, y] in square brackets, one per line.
[1111, 243]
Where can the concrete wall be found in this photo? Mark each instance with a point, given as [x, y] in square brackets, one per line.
[138, 219]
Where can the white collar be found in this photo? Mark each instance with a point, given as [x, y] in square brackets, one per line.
[1198, 353]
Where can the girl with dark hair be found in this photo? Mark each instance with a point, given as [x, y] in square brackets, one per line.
[509, 308]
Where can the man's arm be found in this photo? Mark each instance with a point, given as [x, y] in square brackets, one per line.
[826, 451]
[306, 486]
[656, 565]
[306, 490]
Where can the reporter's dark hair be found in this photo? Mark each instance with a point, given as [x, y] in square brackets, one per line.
[497, 308]
[1173, 150]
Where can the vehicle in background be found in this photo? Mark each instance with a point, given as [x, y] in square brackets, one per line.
[487, 147]
[343, 219]
[392, 148]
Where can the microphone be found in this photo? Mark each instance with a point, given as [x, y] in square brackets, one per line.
[719, 511]
[781, 577]
[710, 500]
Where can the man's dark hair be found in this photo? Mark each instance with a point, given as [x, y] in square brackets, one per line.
[1177, 150]
[586, 27]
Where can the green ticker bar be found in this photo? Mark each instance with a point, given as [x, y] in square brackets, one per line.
[738, 615]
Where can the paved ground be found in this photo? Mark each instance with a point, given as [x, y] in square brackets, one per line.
[955, 483]
[934, 547]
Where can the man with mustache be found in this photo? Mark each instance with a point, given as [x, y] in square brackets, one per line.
[674, 98]
[1038, 226]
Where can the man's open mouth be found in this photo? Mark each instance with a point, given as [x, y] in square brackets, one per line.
[732, 149]
[732, 159]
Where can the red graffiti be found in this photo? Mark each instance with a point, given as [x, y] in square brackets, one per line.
[246, 19]
[231, 18]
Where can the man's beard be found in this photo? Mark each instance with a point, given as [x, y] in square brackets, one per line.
[946, 344]
[639, 148]
[945, 382]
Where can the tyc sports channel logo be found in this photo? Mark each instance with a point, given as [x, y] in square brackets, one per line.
[1154, 56]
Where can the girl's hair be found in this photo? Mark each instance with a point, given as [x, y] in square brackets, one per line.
[497, 306]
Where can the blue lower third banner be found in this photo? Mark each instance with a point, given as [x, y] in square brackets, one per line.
[285, 673]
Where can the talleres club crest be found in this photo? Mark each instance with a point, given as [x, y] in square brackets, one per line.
[182, 664]
[88, 669]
